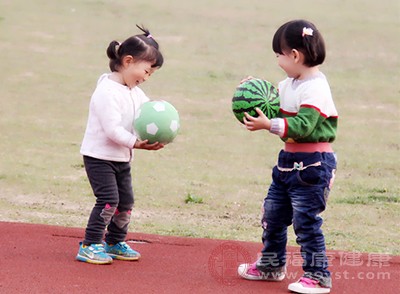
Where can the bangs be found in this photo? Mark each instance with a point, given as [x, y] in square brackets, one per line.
[159, 59]
[152, 55]
[278, 40]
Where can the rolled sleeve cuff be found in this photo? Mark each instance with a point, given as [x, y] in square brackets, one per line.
[277, 126]
[132, 142]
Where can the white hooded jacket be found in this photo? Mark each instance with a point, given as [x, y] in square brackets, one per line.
[109, 132]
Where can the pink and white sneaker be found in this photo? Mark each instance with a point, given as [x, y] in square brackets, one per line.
[249, 271]
[308, 286]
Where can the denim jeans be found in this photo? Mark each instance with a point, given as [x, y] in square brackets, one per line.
[297, 195]
[112, 185]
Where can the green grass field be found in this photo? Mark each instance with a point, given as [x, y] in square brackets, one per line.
[211, 181]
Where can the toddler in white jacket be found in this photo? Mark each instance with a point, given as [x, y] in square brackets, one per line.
[108, 144]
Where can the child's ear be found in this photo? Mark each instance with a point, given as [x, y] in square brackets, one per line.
[128, 59]
[296, 55]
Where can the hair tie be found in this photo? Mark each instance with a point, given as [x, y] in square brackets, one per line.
[307, 32]
[117, 47]
[149, 36]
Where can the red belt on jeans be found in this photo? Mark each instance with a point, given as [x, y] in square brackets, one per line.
[308, 147]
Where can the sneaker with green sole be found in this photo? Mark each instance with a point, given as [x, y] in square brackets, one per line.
[93, 253]
[121, 251]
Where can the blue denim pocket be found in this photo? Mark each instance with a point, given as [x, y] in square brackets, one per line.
[318, 175]
[312, 176]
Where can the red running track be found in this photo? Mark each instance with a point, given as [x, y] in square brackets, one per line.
[41, 259]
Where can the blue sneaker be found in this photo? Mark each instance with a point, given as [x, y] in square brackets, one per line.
[93, 253]
[121, 251]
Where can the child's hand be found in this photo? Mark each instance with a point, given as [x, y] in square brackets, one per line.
[145, 145]
[256, 123]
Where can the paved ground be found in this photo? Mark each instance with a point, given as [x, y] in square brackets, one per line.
[41, 259]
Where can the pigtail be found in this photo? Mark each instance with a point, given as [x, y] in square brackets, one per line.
[147, 37]
[145, 31]
[112, 50]
[113, 55]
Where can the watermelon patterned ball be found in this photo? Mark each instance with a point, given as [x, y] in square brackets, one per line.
[252, 94]
[157, 121]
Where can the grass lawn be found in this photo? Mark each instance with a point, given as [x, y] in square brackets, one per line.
[52, 53]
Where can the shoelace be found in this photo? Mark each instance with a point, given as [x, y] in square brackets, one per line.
[98, 248]
[253, 270]
[308, 282]
[124, 245]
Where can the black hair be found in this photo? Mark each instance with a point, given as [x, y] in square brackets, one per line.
[142, 47]
[291, 36]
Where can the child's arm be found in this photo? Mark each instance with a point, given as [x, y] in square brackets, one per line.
[303, 124]
[109, 112]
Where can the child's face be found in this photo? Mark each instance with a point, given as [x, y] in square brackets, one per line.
[137, 72]
[288, 63]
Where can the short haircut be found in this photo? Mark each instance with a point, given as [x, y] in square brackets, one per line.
[291, 36]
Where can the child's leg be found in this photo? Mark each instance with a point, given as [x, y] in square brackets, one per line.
[277, 217]
[308, 201]
[101, 175]
[118, 227]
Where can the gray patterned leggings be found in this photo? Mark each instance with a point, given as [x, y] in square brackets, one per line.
[112, 186]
